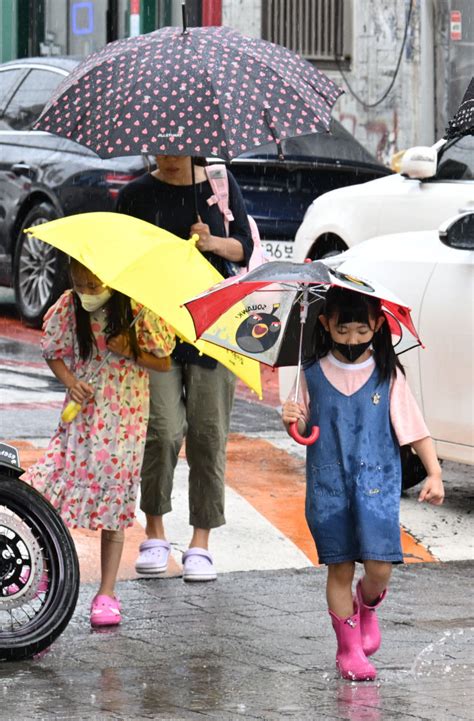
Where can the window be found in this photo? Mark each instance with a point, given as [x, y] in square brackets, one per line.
[456, 162]
[30, 98]
[319, 30]
[8, 78]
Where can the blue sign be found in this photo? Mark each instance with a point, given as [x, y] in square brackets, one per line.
[82, 18]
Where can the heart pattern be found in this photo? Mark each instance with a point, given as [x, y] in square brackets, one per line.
[214, 89]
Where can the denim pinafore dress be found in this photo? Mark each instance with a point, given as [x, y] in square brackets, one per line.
[353, 472]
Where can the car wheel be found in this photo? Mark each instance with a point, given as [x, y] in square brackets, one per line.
[39, 271]
[326, 246]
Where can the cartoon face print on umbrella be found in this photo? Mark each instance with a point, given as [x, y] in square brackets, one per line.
[259, 331]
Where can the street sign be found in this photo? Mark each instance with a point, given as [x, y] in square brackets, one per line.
[456, 25]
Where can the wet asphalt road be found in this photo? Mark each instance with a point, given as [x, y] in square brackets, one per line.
[254, 646]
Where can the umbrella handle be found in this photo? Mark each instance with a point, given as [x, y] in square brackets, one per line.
[70, 411]
[303, 440]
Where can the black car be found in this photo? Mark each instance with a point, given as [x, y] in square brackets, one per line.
[278, 192]
[43, 177]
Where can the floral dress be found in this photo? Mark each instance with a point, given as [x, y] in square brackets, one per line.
[91, 469]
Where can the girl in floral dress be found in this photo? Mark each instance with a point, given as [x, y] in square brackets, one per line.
[90, 471]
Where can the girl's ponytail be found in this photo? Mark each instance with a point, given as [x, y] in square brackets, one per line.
[85, 336]
[119, 318]
[385, 357]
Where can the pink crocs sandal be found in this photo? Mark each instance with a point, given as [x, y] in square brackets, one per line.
[153, 556]
[198, 565]
[105, 611]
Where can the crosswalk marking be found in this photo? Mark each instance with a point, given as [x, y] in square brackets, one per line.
[265, 516]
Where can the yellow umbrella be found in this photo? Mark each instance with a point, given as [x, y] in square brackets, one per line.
[152, 266]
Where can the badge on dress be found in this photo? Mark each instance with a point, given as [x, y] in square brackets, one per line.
[376, 399]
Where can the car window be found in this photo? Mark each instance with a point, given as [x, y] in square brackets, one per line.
[456, 161]
[28, 101]
[8, 78]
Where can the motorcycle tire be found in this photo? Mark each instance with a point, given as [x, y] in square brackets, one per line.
[39, 571]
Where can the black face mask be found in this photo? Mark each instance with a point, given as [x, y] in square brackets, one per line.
[352, 352]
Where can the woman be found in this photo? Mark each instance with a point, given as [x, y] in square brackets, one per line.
[196, 398]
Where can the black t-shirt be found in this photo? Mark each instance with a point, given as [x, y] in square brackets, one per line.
[172, 207]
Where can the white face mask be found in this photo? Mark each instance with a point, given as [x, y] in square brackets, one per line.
[94, 302]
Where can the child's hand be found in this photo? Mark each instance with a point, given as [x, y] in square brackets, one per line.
[80, 391]
[292, 412]
[120, 344]
[432, 491]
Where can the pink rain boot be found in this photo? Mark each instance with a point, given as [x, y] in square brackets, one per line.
[350, 658]
[369, 625]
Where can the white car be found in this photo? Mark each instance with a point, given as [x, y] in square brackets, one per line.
[433, 272]
[435, 184]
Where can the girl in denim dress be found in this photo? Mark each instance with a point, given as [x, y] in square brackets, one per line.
[356, 392]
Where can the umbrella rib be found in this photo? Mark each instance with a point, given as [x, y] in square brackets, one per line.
[217, 108]
[329, 100]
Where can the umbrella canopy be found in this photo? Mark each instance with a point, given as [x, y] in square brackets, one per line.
[203, 91]
[462, 123]
[258, 314]
[152, 266]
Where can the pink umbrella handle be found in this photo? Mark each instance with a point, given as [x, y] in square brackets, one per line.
[304, 440]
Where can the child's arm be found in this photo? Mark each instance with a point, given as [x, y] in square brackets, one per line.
[408, 423]
[150, 361]
[433, 489]
[120, 345]
[78, 390]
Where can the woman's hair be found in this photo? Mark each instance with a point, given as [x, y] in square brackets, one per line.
[198, 160]
[119, 317]
[350, 306]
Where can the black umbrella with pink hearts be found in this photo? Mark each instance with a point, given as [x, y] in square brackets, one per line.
[206, 91]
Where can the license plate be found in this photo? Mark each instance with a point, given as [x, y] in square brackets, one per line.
[278, 249]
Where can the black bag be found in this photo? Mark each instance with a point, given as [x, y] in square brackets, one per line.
[413, 470]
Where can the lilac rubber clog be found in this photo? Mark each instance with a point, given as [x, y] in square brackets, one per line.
[153, 556]
[198, 565]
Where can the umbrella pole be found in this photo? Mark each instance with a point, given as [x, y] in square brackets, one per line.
[293, 429]
[303, 315]
[183, 15]
[73, 408]
[195, 198]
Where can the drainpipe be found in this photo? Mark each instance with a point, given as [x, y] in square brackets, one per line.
[134, 18]
[211, 12]
[426, 129]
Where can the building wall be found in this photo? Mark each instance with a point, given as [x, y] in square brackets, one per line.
[8, 34]
[243, 15]
[408, 116]
[395, 122]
